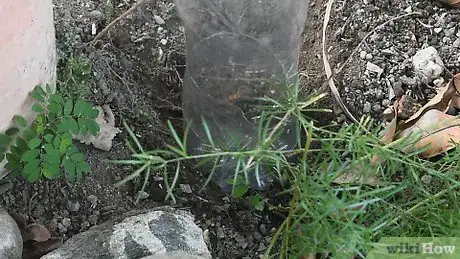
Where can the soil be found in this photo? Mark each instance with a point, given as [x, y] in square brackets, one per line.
[138, 68]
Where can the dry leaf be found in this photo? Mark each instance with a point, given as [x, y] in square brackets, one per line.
[439, 133]
[454, 3]
[33, 250]
[37, 232]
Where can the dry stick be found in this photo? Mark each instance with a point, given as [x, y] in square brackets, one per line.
[114, 22]
[327, 65]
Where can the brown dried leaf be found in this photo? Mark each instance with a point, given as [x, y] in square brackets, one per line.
[454, 3]
[37, 232]
[33, 250]
[440, 132]
[440, 102]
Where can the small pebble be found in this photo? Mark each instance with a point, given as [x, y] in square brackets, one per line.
[93, 219]
[426, 178]
[61, 228]
[158, 20]
[257, 236]
[377, 108]
[163, 41]
[95, 14]
[142, 195]
[73, 206]
[367, 107]
[93, 200]
[386, 103]
[84, 226]
[450, 32]
[186, 188]
[262, 247]
[66, 223]
[263, 229]
[437, 30]
[456, 43]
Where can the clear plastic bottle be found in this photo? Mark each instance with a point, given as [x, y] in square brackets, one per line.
[238, 51]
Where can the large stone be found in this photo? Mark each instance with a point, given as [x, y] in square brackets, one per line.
[11, 240]
[154, 233]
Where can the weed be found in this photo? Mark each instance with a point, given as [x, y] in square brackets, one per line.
[74, 79]
[324, 217]
[45, 148]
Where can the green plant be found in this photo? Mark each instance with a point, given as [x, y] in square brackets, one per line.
[74, 78]
[44, 148]
[337, 206]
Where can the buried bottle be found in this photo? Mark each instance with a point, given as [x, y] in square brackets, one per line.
[238, 53]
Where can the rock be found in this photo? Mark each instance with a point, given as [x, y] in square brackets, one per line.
[93, 219]
[66, 222]
[164, 41]
[362, 54]
[374, 68]
[450, 32]
[367, 107]
[263, 229]
[154, 234]
[186, 188]
[456, 43]
[377, 108]
[158, 20]
[386, 103]
[108, 131]
[96, 15]
[73, 206]
[428, 64]
[437, 30]
[93, 200]
[61, 228]
[369, 56]
[11, 240]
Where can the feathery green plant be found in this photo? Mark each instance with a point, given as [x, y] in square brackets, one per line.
[343, 199]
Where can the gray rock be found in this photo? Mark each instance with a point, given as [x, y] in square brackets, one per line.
[11, 240]
[97, 15]
[73, 206]
[367, 107]
[158, 20]
[450, 32]
[93, 200]
[456, 43]
[153, 235]
[428, 64]
[374, 68]
[66, 222]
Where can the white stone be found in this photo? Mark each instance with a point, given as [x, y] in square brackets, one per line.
[428, 64]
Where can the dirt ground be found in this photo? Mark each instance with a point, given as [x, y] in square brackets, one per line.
[138, 68]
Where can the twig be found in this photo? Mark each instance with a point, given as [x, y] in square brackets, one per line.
[327, 66]
[114, 22]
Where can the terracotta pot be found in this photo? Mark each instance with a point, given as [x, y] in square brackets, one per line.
[27, 54]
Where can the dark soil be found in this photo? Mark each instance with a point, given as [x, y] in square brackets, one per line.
[138, 68]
